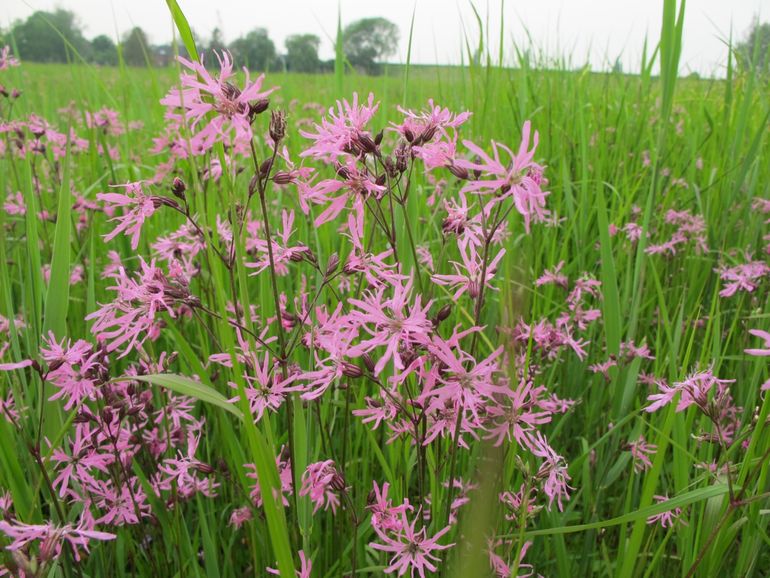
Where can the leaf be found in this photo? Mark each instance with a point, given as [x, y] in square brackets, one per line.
[184, 29]
[188, 387]
[57, 299]
[680, 501]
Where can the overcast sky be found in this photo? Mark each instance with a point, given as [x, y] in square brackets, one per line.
[595, 30]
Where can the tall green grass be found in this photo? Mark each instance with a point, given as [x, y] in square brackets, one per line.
[594, 128]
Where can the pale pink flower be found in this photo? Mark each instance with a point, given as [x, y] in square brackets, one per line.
[52, 538]
[411, 550]
[641, 452]
[305, 567]
[666, 519]
[136, 207]
[520, 177]
[321, 482]
[215, 108]
[765, 336]
[343, 132]
[385, 515]
[468, 274]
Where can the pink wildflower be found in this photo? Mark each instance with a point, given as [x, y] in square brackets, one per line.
[665, 519]
[411, 550]
[136, 206]
[321, 481]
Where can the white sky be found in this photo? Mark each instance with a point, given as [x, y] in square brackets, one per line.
[595, 30]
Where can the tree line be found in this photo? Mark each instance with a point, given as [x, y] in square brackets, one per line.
[58, 36]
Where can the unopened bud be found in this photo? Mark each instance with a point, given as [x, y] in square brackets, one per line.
[282, 178]
[277, 126]
[351, 370]
[443, 313]
[264, 168]
[332, 264]
[368, 362]
[178, 188]
[258, 107]
[378, 138]
[459, 172]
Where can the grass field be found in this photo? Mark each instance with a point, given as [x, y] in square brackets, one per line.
[605, 418]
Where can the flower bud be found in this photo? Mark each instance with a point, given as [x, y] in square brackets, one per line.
[264, 168]
[351, 370]
[368, 362]
[178, 188]
[459, 172]
[258, 107]
[332, 264]
[282, 178]
[277, 126]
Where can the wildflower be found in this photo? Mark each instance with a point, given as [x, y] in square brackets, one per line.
[555, 277]
[521, 178]
[744, 277]
[385, 515]
[227, 108]
[7, 60]
[665, 519]
[264, 390]
[640, 452]
[468, 275]
[391, 322]
[422, 127]
[131, 317]
[411, 550]
[137, 208]
[321, 481]
[305, 567]
[694, 390]
[240, 516]
[15, 204]
[765, 336]
[52, 538]
[343, 132]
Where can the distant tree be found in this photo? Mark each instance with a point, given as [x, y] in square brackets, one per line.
[37, 38]
[217, 41]
[135, 47]
[367, 42]
[255, 50]
[104, 51]
[754, 52]
[302, 53]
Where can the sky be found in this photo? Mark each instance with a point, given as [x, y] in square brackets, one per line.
[594, 31]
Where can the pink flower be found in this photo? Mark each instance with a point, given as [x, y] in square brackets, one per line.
[343, 132]
[520, 178]
[265, 389]
[467, 276]
[392, 322]
[51, 537]
[7, 60]
[132, 316]
[765, 336]
[665, 519]
[385, 515]
[136, 208]
[554, 277]
[305, 567]
[694, 390]
[321, 481]
[215, 108]
[640, 452]
[15, 205]
[744, 277]
[422, 127]
[411, 550]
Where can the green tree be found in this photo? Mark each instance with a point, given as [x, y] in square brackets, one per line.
[217, 41]
[43, 37]
[104, 51]
[302, 53]
[366, 42]
[255, 50]
[754, 52]
[135, 47]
